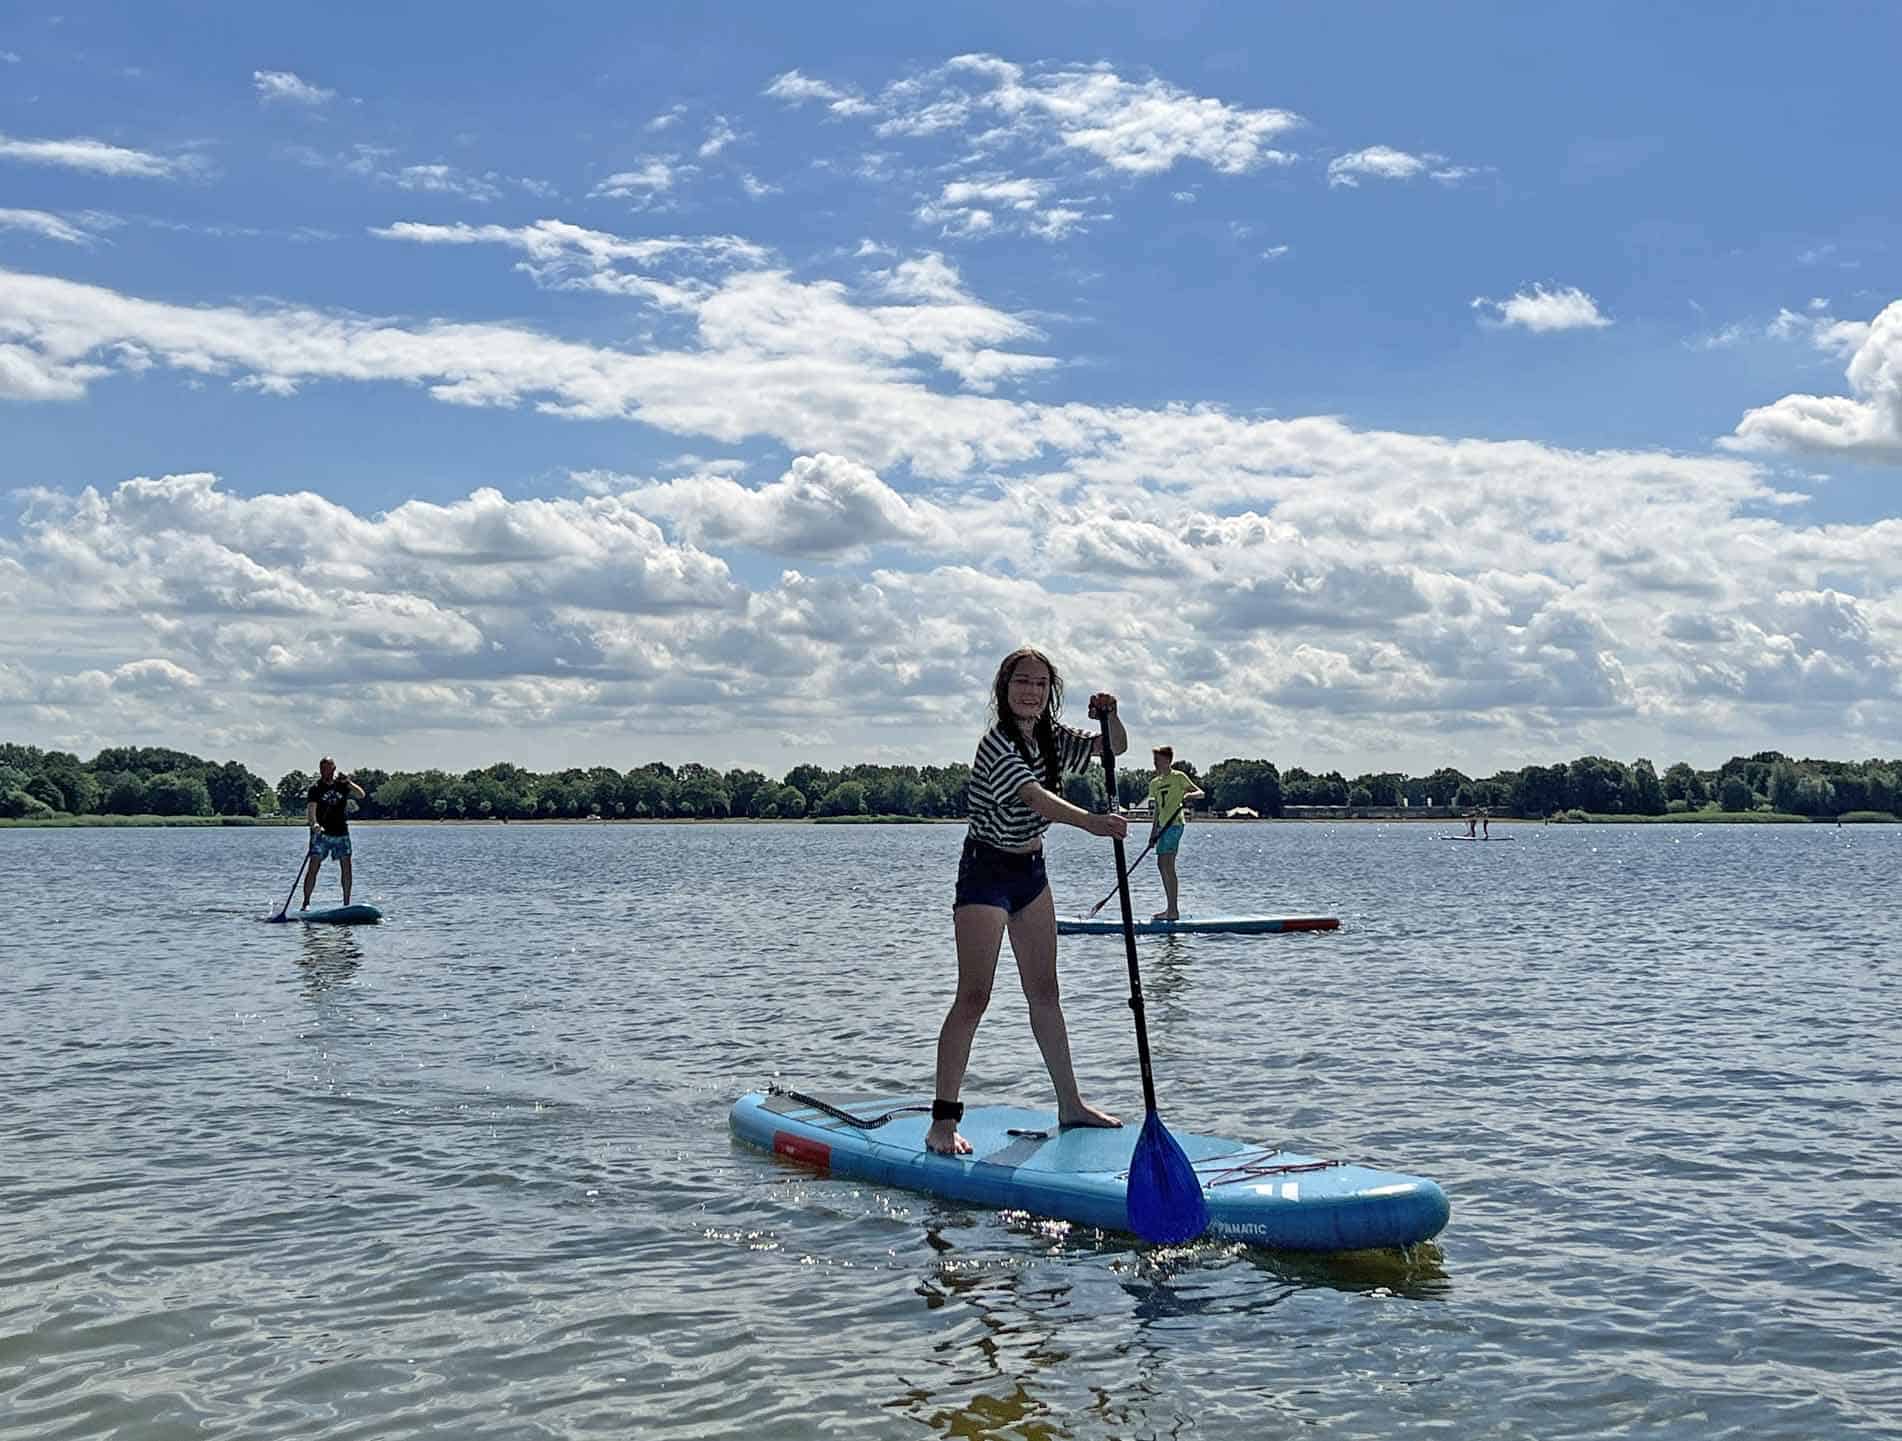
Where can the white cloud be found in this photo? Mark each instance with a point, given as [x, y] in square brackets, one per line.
[824, 506]
[1140, 128]
[796, 88]
[1383, 162]
[1276, 252]
[96, 157]
[282, 86]
[756, 188]
[719, 135]
[1842, 338]
[46, 225]
[667, 119]
[1866, 422]
[374, 163]
[645, 186]
[569, 257]
[999, 204]
[1542, 311]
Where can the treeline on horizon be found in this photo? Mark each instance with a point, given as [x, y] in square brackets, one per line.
[155, 780]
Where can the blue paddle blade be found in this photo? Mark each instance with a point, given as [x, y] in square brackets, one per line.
[1165, 1194]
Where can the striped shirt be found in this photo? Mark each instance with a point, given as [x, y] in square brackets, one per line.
[998, 817]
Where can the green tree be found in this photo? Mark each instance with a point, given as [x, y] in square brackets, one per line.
[1255, 784]
[845, 799]
[1595, 784]
[17, 804]
[235, 791]
[125, 795]
[1643, 793]
[1538, 791]
[1734, 794]
[1086, 789]
[1442, 788]
[293, 792]
[46, 791]
[178, 793]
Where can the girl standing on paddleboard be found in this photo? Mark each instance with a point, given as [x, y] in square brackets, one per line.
[1015, 793]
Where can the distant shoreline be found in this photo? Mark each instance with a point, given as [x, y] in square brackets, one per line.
[1451, 823]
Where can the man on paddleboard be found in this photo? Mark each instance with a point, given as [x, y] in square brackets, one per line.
[327, 811]
[1015, 792]
[1169, 796]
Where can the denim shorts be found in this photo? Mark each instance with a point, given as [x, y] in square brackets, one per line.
[330, 848]
[1008, 880]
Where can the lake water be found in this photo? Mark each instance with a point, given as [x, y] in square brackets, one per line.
[468, 1174]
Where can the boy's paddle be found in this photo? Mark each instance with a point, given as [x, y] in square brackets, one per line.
[283, 911]
[1091, 913]
[1165, 1195]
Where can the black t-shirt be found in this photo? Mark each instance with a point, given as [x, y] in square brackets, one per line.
[332, 800]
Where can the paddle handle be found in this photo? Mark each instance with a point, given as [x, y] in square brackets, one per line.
[1129, 926]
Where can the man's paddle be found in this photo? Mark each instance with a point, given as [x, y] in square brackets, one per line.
[283, 911]
[1165, 1195]
[1091, 913]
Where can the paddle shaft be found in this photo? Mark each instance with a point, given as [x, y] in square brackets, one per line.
[1129, 928]
[1173, 815]
[285, 909]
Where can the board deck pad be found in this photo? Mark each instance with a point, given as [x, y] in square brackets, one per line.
[340, 915]
[1256, 1194]
[1106, 924]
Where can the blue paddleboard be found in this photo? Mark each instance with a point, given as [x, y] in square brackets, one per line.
[1109, 925]
[1256, 1194]
[339, 916]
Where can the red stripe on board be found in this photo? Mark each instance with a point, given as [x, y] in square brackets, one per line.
[813, 1153]
[1310, 923]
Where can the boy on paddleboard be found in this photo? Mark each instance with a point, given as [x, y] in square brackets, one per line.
[1015, 793]
[1169, 796]
[327, 812]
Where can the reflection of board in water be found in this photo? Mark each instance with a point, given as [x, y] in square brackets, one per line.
[1022, 1160]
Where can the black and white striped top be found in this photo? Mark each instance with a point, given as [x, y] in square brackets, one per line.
[998, 817]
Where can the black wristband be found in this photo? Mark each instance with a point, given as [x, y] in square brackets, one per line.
[942, 1110]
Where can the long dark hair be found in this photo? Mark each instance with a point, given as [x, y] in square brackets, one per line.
[1045, 730]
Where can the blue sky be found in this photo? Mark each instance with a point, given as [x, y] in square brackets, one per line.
[1360, 386]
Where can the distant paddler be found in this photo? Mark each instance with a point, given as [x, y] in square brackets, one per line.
[327, 812]
[1169, 796]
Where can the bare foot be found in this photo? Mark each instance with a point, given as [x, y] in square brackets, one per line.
[1085, 1115]
[1165, 916]
[943, 1140]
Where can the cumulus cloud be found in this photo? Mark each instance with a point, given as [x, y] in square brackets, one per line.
[1542, 311]
[1383, 162]
[824, 506]
[1866, 422]
[285, 87]
[97, 157]
[1080, 124]
[1279, 583]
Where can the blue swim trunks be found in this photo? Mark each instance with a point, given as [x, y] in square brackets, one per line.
[1170, 841]
[330, 848]
[1008, 880]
